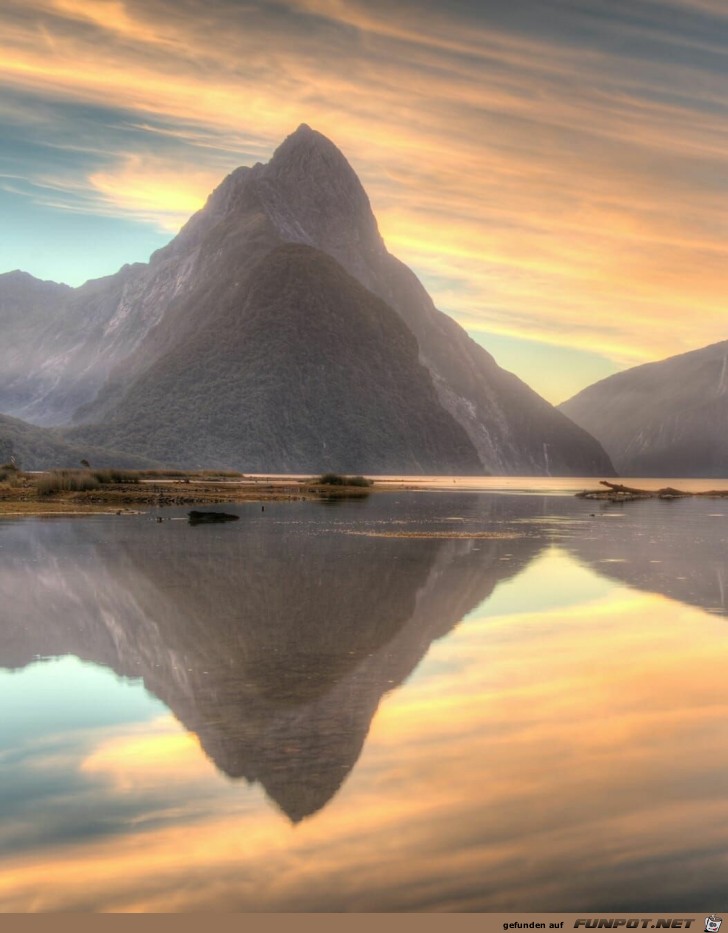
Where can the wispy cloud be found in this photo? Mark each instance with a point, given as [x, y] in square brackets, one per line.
[154, 189]
[552, 170]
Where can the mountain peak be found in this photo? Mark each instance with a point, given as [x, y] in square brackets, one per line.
[312, 195]
[305, 144]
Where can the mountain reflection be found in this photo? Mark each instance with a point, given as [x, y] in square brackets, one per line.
[675, 548]
[273, 639]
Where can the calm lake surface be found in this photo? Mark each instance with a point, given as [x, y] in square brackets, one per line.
[506, 699]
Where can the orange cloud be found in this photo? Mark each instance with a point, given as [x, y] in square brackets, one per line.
[155, 189]
[544, 189]
[158, 751]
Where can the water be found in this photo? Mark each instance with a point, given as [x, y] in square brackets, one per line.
[456, 701]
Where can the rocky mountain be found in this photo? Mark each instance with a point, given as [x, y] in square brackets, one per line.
[30, 310]
[668, 418]
[59, 343]
[255, 400]
[298, 344]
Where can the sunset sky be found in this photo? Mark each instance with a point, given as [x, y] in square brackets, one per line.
[555, 171]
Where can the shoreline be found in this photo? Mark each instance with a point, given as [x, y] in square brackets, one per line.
[24, 499]
[134, 499]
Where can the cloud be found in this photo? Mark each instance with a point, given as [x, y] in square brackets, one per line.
[136, 759]
[551, 172]
[154, 189]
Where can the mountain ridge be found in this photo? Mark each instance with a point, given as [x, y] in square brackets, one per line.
[664, 418]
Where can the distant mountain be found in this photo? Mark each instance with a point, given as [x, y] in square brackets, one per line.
[29, 312]
[662, 419]
[60, 343]
[37, 448]
[132, 356]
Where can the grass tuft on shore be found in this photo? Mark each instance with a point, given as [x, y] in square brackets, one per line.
[337, 479]
[82, 480]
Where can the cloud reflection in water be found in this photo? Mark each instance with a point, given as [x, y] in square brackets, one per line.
[552, 752]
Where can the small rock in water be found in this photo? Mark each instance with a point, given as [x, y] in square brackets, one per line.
[206, 518]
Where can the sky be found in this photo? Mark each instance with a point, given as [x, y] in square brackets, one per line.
[555, 171]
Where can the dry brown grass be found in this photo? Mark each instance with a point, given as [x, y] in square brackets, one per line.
[41, 495]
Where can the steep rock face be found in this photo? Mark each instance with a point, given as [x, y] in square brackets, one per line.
[208, 262]
[311, 195]
[61, 344]
[308, 194]
[297, 368]
[30, 314]
[662, 419]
